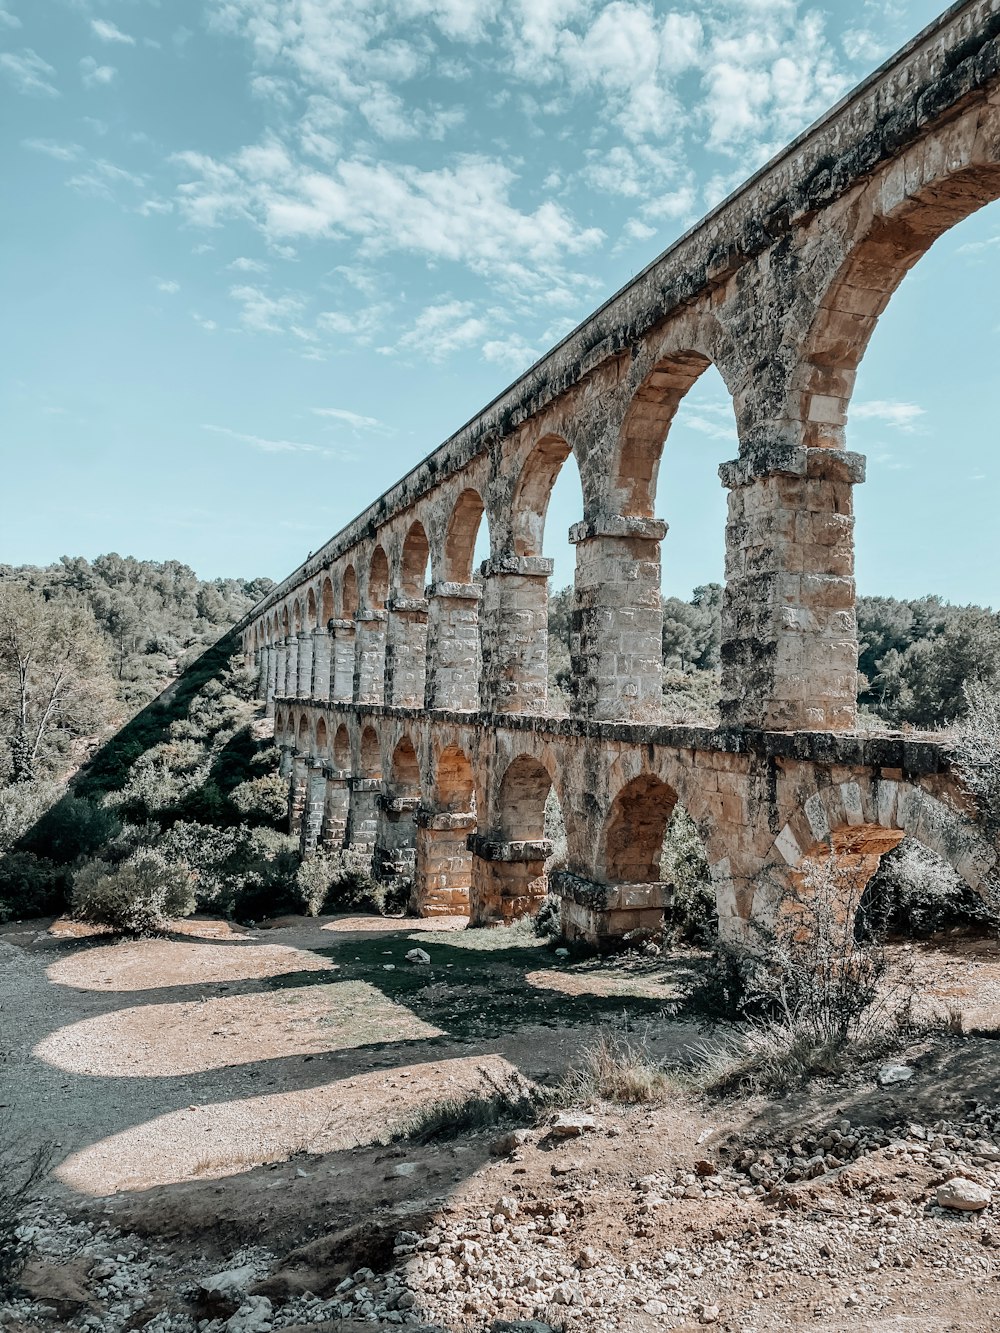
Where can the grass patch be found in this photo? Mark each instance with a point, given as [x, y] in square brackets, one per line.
[501, 1102]
[617, 1069]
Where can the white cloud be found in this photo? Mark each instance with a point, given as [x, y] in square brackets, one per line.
[244, 265]
[265, 445]
[107, 32]
[353, 419]
[28, 72]
[101, 178]
[209, 325]
[361, 326]
[168, 286]
[443, 328]
[703, 423]
[8, 20]
[901, 416]
[62, 152]
[978, 247]
[269, 314]
[512, 352]
[95, 75]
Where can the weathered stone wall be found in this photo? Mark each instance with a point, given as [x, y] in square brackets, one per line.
[779, 288]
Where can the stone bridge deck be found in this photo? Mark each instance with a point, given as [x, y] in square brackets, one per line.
[780, 288]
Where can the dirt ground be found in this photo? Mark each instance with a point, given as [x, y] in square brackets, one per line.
[221, 1100]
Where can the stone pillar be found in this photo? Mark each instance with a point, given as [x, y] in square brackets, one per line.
[369, 657]
[312, 823]
[272, 677]
[292, 667]
[515, 635]
[280, 667]
[395, 842]
[298, 792]
[616, 646]
[285, 762]
[335, 810]
[453, 647]
[608, 916]
[789, 630]
[303, 687]
[508, 879]
[262, 658]
[321, 660]
[443, 875]
[406, 652]
[342, 671]
[362, 819]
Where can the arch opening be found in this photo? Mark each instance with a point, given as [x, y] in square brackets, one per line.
[645, 428]
[371, 755]
[378, 580]
[455, 786]
[405, 769]
[311, 609]
[342, 749]
[349, 592]
[522, 800]
[461, 538]
[632, 843]
[414, 561]
[302, 736]
[327, 601]
[322, 737]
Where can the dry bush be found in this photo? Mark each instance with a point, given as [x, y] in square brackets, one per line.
[502, 1100]
[811, 997]
[137, 897]
[617, 1069]
[20, 1179]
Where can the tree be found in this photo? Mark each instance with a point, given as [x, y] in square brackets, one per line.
[53, 675]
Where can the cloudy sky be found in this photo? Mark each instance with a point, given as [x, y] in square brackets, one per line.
[263, 255]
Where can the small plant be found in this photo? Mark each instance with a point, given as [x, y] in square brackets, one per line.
[20, 1179]
[618, 1070]
[137, 897]
[977, 752]
[342, 882]
[503, 1100]
[691, 914]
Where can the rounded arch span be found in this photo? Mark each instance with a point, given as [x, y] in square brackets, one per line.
[858, 822]
[460, 538]
[296, 617]
[326, 600]
[413, 561]
[280, 725]
[311, 609]
[646, 425]
[302, 735]
[454, 781]
[892, 229]
[322, 737]
[534, 490]
[349, 592]
[378, 580]
[371, 754]
[342, 749]
[405, 769]
[632, 838]
[284, 620]
[520, 801]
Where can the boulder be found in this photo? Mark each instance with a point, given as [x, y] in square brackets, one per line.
[963, 1195]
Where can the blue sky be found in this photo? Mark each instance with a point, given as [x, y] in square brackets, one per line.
[263, 255]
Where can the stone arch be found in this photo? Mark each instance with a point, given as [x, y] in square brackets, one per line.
[897, 218]
[520, 800]
[296, 617]
[405, 769]
[342, 749]
[284, 620]
[460, 537]
[311, 620]
[326, 601]
[322, 737]
[646, 425]
[302, 737]
[413, 561]
[454, 781]
[857, 823]
[632, 838]
[533, 491]
[370, 754]
[349, 592]
[378, 580]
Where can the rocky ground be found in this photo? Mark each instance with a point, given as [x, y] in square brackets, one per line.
[848, 1205]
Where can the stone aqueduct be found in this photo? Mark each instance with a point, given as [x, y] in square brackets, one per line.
[412, 711]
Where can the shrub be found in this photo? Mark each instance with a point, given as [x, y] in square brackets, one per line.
[74, 827]
[691, 913]
[243, 872]
[136, 897]
[21, 806]
[20, 1178]
[30, 886]
[342, 882]
[977, 752]
[262, 800]
[617, 1070]
[914, 892]
[547, 921]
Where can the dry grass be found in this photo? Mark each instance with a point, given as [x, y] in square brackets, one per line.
[617, 1069]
